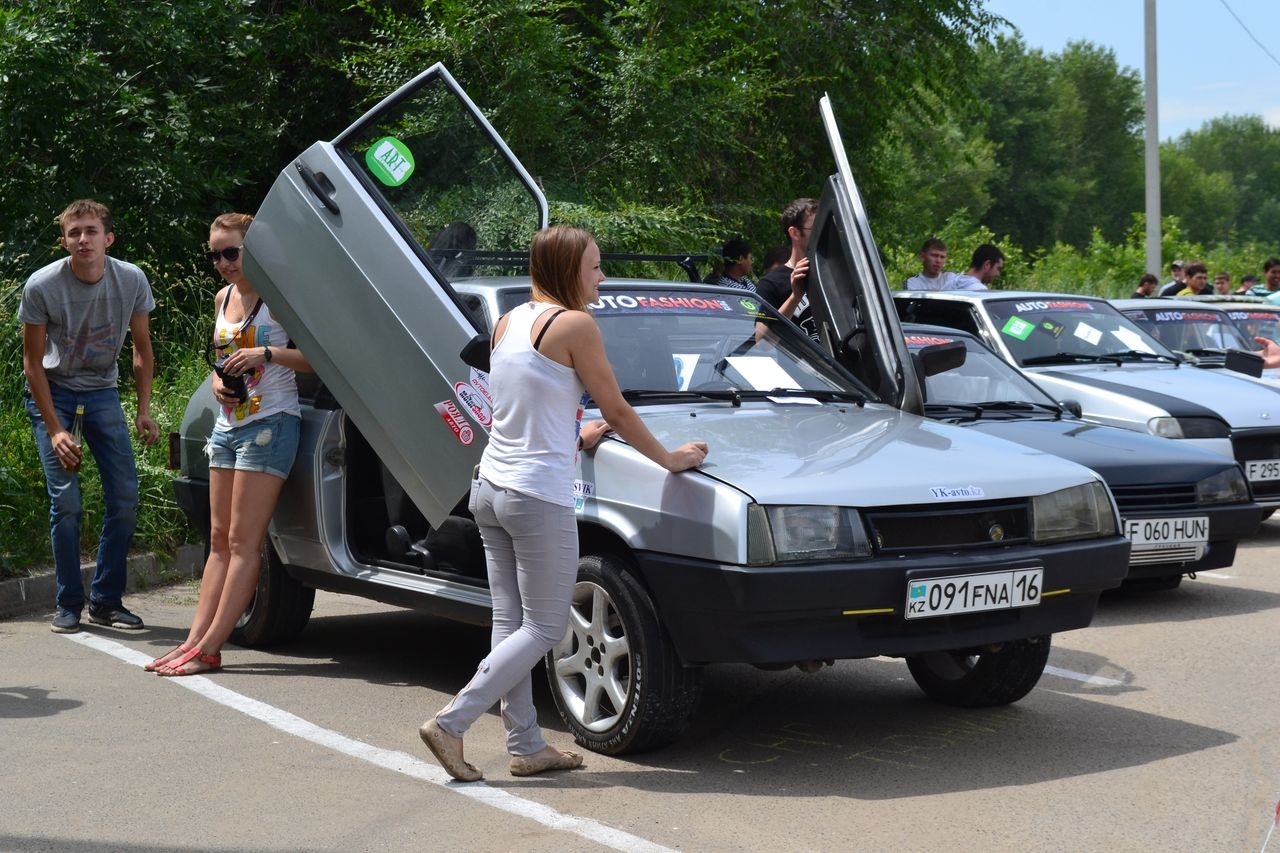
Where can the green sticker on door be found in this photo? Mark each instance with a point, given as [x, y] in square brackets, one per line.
[390, 161]
[1018, 328]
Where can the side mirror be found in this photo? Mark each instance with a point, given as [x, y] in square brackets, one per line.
[1248, 363]
[939, 358]
[476, 353]
[1072, 407]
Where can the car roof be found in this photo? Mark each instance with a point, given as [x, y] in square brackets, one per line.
[1169, 304]
[988, 295]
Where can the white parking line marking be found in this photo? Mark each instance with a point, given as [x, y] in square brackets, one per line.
[400, 762]
[1095, 680]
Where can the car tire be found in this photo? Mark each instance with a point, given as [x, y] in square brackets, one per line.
[981, 679]
[616, 679]
[280, 608]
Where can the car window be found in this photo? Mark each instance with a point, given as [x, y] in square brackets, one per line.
[938, 312]
[450, 184]
[682, 340]
[1043, 328]
[1187, 331]
[1256, 323]
[983, 378]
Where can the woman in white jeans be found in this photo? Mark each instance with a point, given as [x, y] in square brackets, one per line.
[548, 358]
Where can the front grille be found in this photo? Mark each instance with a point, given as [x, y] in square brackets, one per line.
[908, 529]
[1181, 554]
[1162, 496]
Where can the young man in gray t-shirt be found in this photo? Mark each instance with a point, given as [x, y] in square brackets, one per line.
[75, 314]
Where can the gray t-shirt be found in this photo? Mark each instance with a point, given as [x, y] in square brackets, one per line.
[85, 323]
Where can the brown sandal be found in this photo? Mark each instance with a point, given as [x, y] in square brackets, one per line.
[539, 762]
[448, 751]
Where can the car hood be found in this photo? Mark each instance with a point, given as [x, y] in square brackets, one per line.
[846, 455]
[1121, 456]
[1171, 389]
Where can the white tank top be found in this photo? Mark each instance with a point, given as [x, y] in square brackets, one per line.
[272, 388]
[537, 411]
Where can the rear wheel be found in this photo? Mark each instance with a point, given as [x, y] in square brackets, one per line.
[280, 608]
[971, 679]
[616, 679]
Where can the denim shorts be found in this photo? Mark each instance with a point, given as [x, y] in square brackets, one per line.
[267, 445]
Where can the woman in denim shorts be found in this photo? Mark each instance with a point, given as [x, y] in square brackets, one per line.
[250, 451]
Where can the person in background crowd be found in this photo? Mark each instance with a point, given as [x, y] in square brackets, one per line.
[775, 257]
[1146, 286]
[1196, 279]
[985, 267]
[1247, 282]
[1222, 283]
[737, 266]
[1178, 283]
[251, 450]
[1270, 279]
[776, 286]
[75, 313]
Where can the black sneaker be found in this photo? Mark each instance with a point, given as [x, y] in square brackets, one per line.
[113, 616]
[65, 621]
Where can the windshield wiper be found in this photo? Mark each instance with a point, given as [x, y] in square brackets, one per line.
[826, 395]
[1141, 355]
[731, 395]
[1004, 408]
[1068, 357]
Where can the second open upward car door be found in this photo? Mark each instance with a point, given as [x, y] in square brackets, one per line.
[849, 293]
[353, 250]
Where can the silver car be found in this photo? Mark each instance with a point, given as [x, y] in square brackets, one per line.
[1082, 348]
[827, 522]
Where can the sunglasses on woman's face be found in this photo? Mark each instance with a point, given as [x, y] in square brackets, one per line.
[231, 253]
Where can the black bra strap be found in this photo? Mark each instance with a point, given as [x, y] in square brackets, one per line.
[537, 342]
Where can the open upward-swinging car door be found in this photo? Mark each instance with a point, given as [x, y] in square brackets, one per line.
[352, 250]
[849, 294]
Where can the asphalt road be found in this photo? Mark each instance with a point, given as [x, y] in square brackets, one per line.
[1156, 729]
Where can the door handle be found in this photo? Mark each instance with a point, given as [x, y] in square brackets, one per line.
[313, 182]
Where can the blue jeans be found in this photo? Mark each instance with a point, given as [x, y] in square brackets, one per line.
[107, 436]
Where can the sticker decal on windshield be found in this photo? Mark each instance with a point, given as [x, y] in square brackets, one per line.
[1055, 329]
[1088, 334]
[1016, 327]
[685, 363]
[389, 161]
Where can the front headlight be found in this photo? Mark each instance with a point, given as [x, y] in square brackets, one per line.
[1225, 487]
[1188, 428]
[781, 534]
[1080, 512]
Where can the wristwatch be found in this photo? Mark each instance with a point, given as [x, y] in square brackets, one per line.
[266, 353]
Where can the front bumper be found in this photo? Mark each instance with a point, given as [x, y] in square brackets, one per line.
[720, 613]
[1228, 524]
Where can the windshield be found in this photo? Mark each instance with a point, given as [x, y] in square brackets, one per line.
[983, 378]
[1059, 330]
[448, 182]
[1190, 331]
[1256, 323]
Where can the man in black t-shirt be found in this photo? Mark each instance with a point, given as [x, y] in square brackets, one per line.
[775, 286]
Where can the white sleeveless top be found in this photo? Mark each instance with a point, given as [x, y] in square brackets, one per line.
[537, 412]
[272, 387]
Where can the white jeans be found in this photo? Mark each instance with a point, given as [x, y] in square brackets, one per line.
[531, 548]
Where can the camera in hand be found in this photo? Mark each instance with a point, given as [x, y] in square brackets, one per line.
[234, 384]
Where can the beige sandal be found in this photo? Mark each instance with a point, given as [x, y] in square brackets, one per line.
[529, 765]
[448, 751]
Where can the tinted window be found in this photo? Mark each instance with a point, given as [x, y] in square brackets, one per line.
[1188, 331]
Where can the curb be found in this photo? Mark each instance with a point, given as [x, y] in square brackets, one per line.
[22, 596]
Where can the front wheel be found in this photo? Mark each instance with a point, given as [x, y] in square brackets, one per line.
[280, 609]
[973, 679]
[616, 679]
